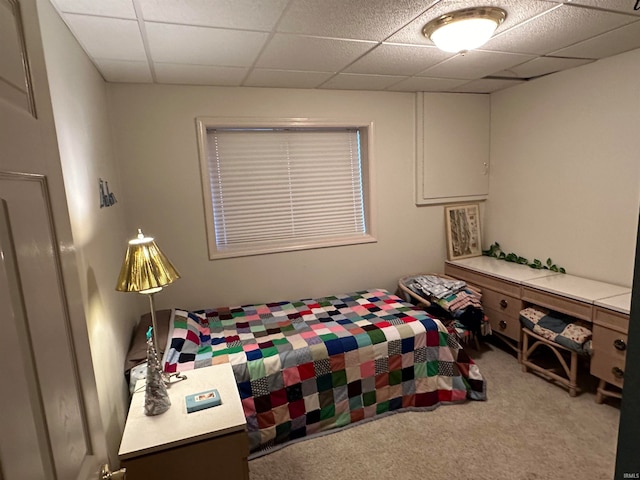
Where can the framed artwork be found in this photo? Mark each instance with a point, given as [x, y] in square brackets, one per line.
[462, 224]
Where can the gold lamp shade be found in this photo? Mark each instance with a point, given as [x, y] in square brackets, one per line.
[145, 268]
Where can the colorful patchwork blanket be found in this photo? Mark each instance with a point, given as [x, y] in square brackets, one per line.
[558, 328]
[313, 365]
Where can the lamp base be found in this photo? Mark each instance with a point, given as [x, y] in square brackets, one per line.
[166, 378]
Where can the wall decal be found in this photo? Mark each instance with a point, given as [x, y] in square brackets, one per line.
[106, 197]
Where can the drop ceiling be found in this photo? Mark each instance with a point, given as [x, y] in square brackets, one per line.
[341, 44]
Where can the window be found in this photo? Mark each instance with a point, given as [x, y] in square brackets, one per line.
[284, 185]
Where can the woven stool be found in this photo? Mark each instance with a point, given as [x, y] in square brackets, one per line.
[545, 329]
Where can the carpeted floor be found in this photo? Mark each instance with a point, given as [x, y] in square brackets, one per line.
[528, 429]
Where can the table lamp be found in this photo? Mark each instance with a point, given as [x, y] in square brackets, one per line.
[146, 270]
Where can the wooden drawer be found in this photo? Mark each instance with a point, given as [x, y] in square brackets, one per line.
[482, 281]
[228, 453]
[504, 324]
[606, 357]
[566, 305]
[612, 343]
[610, 319]
[501, 302]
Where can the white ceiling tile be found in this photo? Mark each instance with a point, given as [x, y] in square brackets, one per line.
[426, 84]
[354, 81]
[199, 74]
[361, 44]
[624, 6]
[106, 8]
[122, 71]
[293, 52]
[203, 46]
[487, 85]
[240, 14]
[517, 11]
[543, 66]
[263, 77]
[108, 38]
[476, 64]
[390, 59]
[611, 43]
[560, 27]
[355, 19]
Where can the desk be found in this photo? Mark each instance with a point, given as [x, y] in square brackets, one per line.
[177, 444]
[501, 284]
[610, 328]
[508, 287]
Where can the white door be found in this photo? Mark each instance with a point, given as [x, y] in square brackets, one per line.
[43, 400]
[50, 426]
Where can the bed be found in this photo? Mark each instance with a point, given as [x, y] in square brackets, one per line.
[312, 366]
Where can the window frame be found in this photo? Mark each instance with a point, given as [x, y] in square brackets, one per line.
[365, 129]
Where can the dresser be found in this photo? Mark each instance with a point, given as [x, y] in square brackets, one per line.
[507, 288]
[210, 443]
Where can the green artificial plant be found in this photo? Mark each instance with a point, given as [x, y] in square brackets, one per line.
[496, 252]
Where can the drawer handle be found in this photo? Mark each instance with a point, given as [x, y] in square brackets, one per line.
[620, 344]
[617, 372]
[502, 324]
[504, 303]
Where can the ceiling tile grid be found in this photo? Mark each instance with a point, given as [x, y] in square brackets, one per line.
[335, 44]
[391, 59]
[560, 27]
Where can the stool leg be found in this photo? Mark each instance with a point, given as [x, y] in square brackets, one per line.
[573, 376]
[599, 396]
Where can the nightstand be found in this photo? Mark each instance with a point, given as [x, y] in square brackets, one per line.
[210, 443]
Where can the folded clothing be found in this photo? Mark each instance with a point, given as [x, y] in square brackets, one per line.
[435, 286]
[558, 328]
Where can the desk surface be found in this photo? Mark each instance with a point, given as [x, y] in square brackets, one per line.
[577, 288]
[619, 303]
[146, 434]
[512, 272]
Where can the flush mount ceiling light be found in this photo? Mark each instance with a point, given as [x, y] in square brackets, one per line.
[464, 29]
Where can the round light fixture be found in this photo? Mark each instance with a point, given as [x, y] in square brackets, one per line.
[464, 29]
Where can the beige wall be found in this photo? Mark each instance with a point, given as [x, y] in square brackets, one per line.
[78, 95]
[565, 169]
[155, 138]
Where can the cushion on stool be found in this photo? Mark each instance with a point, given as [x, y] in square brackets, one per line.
[552, 326]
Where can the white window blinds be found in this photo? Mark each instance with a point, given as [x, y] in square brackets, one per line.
[285, 187]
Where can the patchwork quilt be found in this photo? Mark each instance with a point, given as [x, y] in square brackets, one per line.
[558, 328]
[313, 365]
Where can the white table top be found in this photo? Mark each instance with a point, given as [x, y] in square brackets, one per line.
[578, 288]
[619, 303]
[510, 271]
[146, 434]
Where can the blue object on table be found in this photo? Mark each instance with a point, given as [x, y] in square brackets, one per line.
[202, 400]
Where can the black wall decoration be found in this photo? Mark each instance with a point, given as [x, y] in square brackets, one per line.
[106, 197]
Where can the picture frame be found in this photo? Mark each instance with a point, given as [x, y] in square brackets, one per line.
[462, 225]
